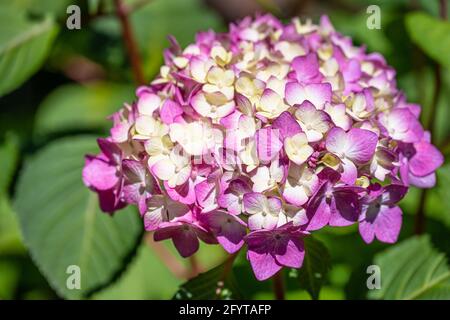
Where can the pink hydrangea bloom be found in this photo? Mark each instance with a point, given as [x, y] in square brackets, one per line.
[257, 137]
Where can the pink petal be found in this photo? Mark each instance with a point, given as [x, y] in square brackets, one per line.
[361, 145]
[426, 159]
[268, 143]
[388, 224]
[293, 254]
[263, 264]
[253, 202]
[306, 68]
[183, 193]
[170, 110]
[99, 174]
[286, 125]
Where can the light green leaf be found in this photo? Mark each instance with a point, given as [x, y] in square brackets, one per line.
[316, 265]
[10, 237]
[78, 107]
[62, 224]
[431, 35]
[217, 283]
[145, 278]
[24, 45]
[412, 269]
[9, 279]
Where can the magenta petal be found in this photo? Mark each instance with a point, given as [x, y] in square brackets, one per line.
[170, 110]
[425, 182]
[345, 208]
[263, 264]
[393, 194]
[426, 159]
[388, 224]
[350, 173]
[292, 254]
[109, 201]
[99, 174]
[362, 144]
[306, 67]
[268, 143]
[183, 193]
[110, 150]
[230, 202]
[229, 230]
[186, 242]
[286, 125]
[366, 231]
[207, 193]
[318, 212]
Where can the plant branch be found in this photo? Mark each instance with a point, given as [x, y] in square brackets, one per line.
[278, 285]
[172, 263]
[228, 266]
[195, 266]
[129, 41]
[419, 223]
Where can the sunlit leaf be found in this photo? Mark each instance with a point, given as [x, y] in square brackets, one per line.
[412, 269]
[24, 46]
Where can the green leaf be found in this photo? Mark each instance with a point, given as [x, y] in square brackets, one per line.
[316, 265]
[9, 279]
[431, 35]
[217, 283]
[24, 46]
[62, 224]
[10, 237]
[412, 269]
[41, 7]
[146, 278]
[78, 107]
[9, 155]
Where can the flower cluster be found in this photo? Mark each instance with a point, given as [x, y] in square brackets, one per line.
[260, 136]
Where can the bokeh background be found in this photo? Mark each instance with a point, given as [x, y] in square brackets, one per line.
[57, 87]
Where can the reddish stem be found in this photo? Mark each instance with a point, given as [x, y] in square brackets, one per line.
[278, 285]
[129, 41]
[172, 263]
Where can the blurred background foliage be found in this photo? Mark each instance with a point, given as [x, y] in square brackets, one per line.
[58, 86]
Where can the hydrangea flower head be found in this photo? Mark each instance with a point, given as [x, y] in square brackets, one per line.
[259, 137]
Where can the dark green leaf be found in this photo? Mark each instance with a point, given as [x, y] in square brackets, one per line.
[9, 155]
[217, 283]
[62, 224]
[315, 267]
